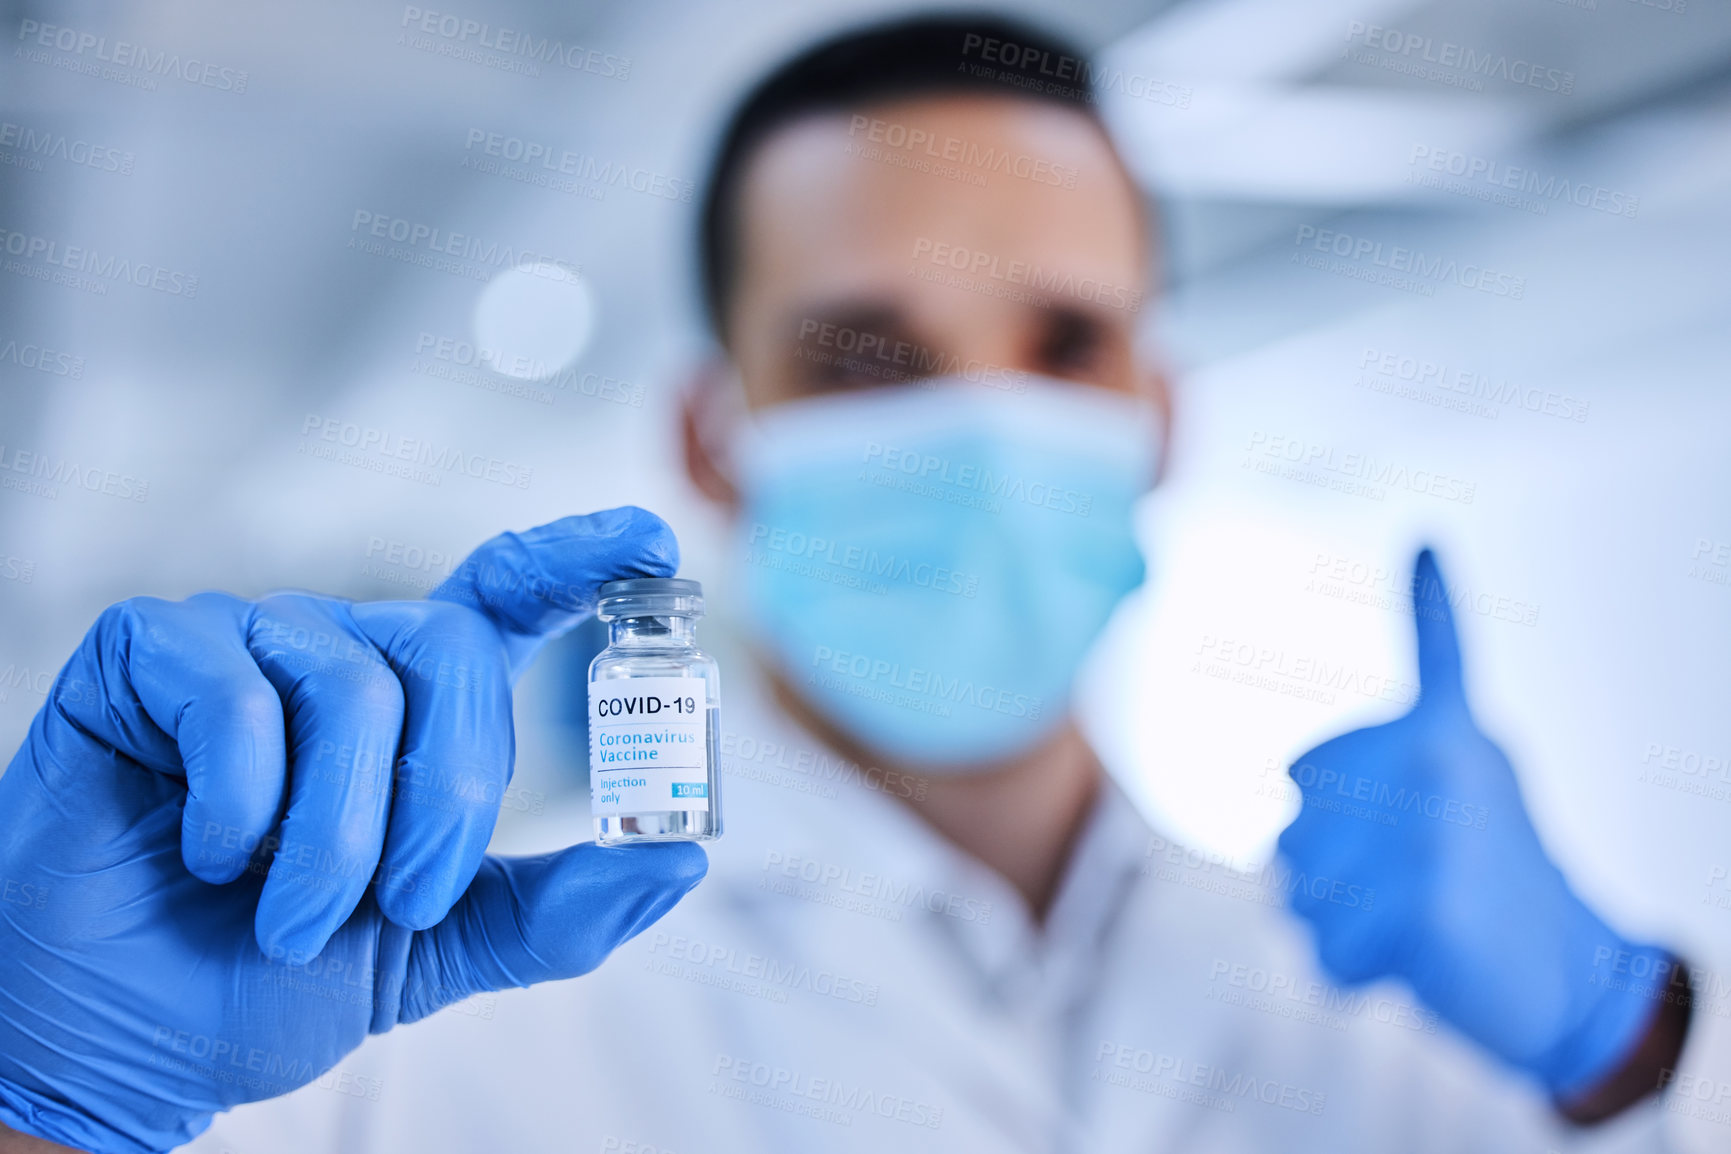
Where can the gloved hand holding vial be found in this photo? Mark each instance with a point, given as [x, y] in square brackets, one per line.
[265, 823]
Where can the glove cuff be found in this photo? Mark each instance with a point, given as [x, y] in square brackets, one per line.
[30, 1113]
[1627, 984]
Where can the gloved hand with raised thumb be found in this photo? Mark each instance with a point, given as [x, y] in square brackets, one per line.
[1468, 910]
[241, 835]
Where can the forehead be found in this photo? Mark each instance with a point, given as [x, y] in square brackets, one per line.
[847, 203]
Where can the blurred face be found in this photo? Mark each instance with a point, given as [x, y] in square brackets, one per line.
[860, 270]
[988, 238]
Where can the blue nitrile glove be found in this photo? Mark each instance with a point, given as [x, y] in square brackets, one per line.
[1426, 813]
[242, 835]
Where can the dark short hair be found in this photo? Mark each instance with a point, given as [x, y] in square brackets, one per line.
[916, 56]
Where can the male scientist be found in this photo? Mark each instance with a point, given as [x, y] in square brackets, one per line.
[250, 834]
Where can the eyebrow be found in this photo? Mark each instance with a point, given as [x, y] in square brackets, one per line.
[874, 318]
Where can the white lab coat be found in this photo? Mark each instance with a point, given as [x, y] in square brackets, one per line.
[845, 980]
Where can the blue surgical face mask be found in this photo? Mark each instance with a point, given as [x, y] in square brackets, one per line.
[928, 564]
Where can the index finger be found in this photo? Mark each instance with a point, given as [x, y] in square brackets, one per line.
[535, 585]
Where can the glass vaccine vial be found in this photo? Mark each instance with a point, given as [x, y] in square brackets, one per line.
[654, 717]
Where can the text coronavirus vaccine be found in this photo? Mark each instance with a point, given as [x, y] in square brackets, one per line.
[654, 717]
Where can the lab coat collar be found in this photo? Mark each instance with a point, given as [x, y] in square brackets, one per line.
[803, 822]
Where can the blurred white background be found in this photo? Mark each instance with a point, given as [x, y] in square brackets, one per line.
[1581, 401]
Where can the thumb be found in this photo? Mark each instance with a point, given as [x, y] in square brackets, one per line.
[536, 919]
[536, 585]
[1439, 648]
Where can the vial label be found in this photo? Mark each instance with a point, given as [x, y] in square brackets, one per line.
[647, 747]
